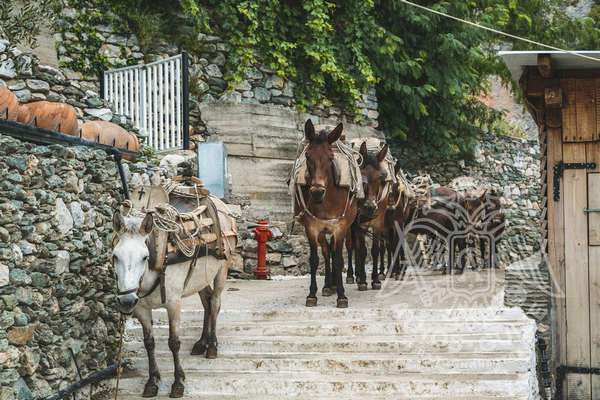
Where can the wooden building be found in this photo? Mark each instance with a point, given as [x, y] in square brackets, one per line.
[562, 92]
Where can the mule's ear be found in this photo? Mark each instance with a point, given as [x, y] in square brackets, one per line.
[335, 133]
[147, 224]
[363, 150]
[483, 196]
[117, 221]
[309, 130]
[363, 153]
[382, 153]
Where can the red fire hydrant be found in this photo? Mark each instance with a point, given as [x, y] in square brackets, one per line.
[261, 234]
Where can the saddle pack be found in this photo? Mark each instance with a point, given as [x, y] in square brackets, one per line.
[188, 221]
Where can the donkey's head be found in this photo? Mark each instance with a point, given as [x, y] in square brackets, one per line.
[320, 161]
[130, 257]
[374, 177]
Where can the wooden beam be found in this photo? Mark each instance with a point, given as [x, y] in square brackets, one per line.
[553, 97]
[544, 62]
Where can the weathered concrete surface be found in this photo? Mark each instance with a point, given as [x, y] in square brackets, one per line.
[262, 142]
[430, 337]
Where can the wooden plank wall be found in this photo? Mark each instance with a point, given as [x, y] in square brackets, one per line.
[556, 250]
[574, 236]
[576, 271]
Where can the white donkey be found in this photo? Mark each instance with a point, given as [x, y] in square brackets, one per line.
[139, 290]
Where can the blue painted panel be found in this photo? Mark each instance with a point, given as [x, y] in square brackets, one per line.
[212, 167]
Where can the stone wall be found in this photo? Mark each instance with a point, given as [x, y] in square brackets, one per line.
[31, 81]
[207, 84]
[56, 286]
[262, 142]
[508, 165]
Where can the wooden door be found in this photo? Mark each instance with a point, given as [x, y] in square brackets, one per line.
[576, 251]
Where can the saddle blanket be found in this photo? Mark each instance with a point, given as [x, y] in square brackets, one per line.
[346, 170]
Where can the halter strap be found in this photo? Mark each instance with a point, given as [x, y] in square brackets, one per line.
[306, 211]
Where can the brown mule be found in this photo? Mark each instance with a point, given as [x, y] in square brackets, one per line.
[372, 216]
[402, 206]
[324, 208]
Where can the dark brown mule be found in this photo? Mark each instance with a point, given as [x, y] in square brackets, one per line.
[372, 217]
[401, 209]
[486, 214]
[324, 209]
[440, 219]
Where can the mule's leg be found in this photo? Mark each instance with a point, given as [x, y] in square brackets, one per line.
[326, 252]
[390, 247]
[144, 315]
[382, 248]
[201, 345]
[361, 258]
[311, 300]
[338, 265]
[375, 283]
[350, 250]
[464, 255]
[174, 314]
[215, 308]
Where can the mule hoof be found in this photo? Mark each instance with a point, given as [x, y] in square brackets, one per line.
[376, 285]
[199, 348]
[397, 277]
[150, 389]
[382, 277]
[311, 302]
[177, 389]
[362, 287]
[342, 303]
[350, 280]
[211, 352]
[327, 292]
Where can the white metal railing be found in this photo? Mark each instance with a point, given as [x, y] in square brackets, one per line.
[155, 97]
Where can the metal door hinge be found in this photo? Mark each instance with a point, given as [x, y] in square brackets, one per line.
[559, 167]
[563, 370]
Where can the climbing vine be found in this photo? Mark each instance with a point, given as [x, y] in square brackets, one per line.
[429, 72]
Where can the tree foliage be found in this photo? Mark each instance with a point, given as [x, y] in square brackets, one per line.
[429, 72]
[21, 21]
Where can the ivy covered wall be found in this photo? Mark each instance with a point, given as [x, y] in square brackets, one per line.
[93, 38]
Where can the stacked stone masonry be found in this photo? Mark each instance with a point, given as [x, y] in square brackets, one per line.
[56, 285]
[31, 81]
[207, 84]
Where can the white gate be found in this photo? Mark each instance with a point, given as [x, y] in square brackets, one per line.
[155, 97]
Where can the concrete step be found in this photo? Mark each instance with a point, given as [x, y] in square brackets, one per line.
[346, 328]
[321, 397]
[311, 383]
[350, 344]
[373, 364]
[326, 313]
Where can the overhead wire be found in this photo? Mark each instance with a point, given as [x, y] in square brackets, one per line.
[497, 31]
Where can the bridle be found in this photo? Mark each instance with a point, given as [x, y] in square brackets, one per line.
[306, 210]
[136, 289]
[115, 242]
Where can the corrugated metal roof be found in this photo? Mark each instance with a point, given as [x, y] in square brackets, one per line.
[517, 60]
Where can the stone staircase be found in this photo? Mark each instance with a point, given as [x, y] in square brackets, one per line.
[385, 352]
